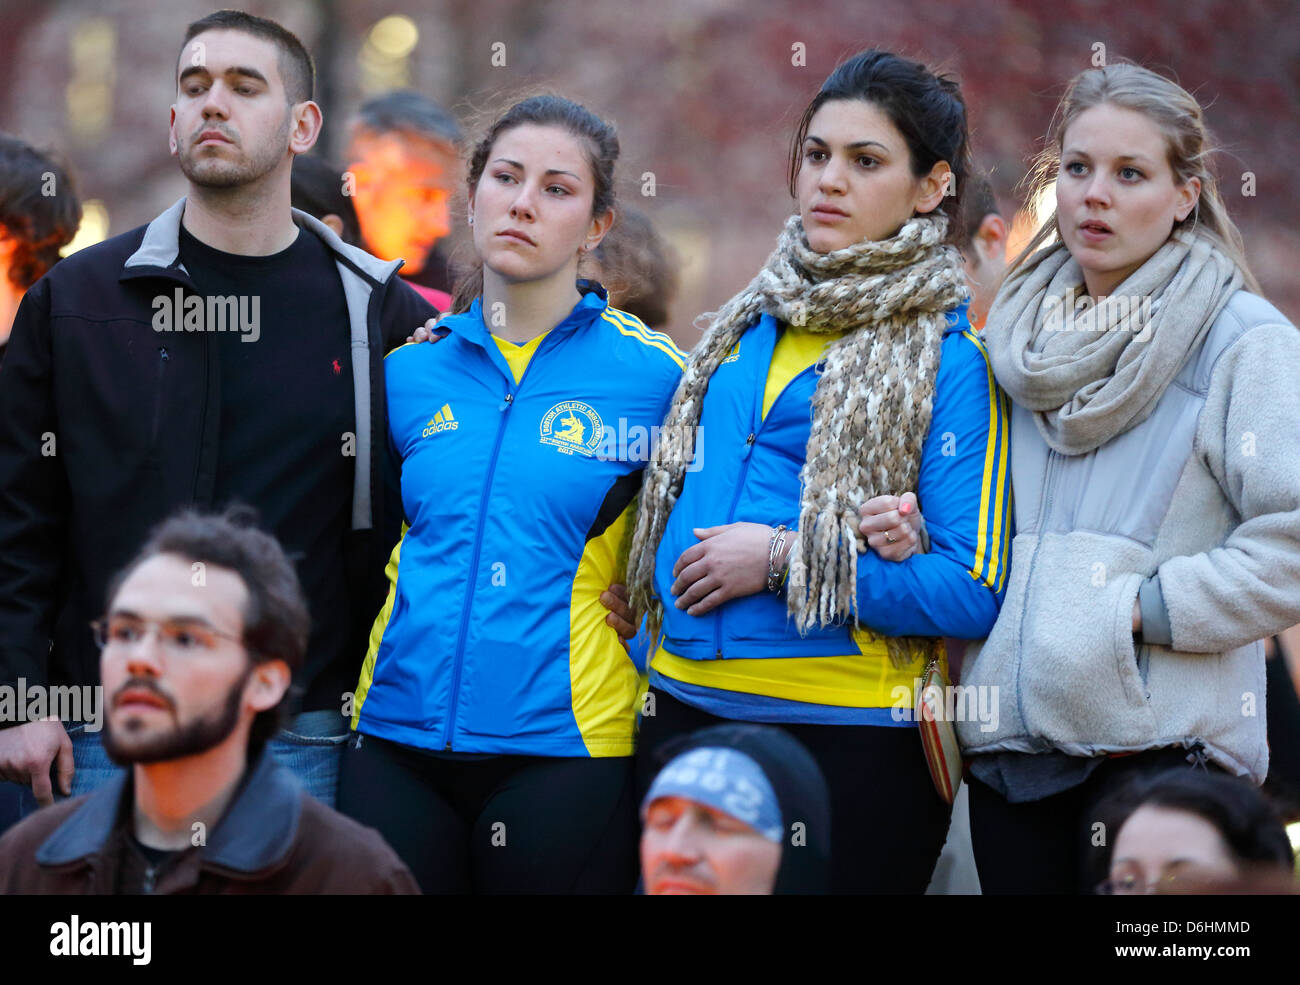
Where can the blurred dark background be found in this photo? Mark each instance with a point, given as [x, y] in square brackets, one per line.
[705, 94]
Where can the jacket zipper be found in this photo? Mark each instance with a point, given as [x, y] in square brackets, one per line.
[750, 441]
[150, 879]
[163, 359]
[504, 408]
[1049, 474]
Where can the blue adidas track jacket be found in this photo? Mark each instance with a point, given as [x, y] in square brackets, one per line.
[750, 472]
[520, 501]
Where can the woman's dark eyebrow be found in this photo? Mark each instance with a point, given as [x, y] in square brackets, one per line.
[516, 164]
[853, 146]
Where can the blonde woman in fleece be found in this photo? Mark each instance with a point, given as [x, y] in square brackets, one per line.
[1155, 436]
[843, 375]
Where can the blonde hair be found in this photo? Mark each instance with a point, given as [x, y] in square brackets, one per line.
[1188, 148]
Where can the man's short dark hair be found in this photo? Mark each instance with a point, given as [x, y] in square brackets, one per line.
[977, 201]
[316, 187]
[407, 111]
[276, 619]
[39, 209]
[296, 66]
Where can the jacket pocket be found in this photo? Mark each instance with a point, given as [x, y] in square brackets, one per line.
[1144, 668]
[1217, 698]
[1079, 676]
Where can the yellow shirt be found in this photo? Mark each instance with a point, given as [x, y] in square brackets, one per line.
[517, 356]
[865, 679]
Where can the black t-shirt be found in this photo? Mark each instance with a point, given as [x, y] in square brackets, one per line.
[156, 857]
[139, 870]
[287, 424]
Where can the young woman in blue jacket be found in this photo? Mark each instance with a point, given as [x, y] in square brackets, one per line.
[495, 714]
[845, 373]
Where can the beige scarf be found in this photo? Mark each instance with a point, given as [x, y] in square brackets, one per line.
[870, 411]
[1091, 373]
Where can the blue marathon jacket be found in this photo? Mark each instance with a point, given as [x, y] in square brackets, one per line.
[747, 469]
[520, 500]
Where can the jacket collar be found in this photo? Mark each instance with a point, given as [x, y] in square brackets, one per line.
[159, 252]
[958, 317]
[471, 325]
[257, 830]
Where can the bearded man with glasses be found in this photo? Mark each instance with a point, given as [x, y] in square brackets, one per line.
[203, 633]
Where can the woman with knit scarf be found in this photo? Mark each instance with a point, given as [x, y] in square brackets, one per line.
[845, 373]
[1155, 434]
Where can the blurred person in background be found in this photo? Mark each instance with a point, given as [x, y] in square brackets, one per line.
[638, 268]
[1156, 467]
[984, 249]
[317, 188]
[404, 154]
[984, 257]
[1283, 781]
[1193, 831]
[39, 215]
[496, 708]
[736, 810]
[129, 391]
[845, 372]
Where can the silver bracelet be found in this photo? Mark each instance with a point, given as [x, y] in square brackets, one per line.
[774, 575]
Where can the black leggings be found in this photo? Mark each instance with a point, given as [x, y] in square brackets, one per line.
[504, 824]
[1059, 844]
[887, 823]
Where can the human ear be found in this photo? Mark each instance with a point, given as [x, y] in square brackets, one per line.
[991, 237]
[1188, 195]
[268, 684]
[933, 187]
[600, 225]
[306, 127]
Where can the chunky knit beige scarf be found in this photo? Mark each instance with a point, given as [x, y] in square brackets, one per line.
[870, 411]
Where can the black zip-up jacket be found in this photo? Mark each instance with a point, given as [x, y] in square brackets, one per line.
[101, 438]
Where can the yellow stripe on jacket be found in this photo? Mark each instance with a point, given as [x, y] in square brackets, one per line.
[992, 543]
[377, 630]
[603, 679]
[635, 328]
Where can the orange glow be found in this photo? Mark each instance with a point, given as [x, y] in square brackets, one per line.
[1028, 220]
[402, 194]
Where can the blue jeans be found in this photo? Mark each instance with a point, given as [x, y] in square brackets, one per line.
[311, 748]
[93, 770]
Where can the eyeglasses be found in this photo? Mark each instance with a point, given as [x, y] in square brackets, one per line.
[177, 638]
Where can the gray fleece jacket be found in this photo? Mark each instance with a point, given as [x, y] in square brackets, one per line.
[1196, 512]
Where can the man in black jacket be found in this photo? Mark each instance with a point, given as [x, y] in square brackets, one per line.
[231, 350]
